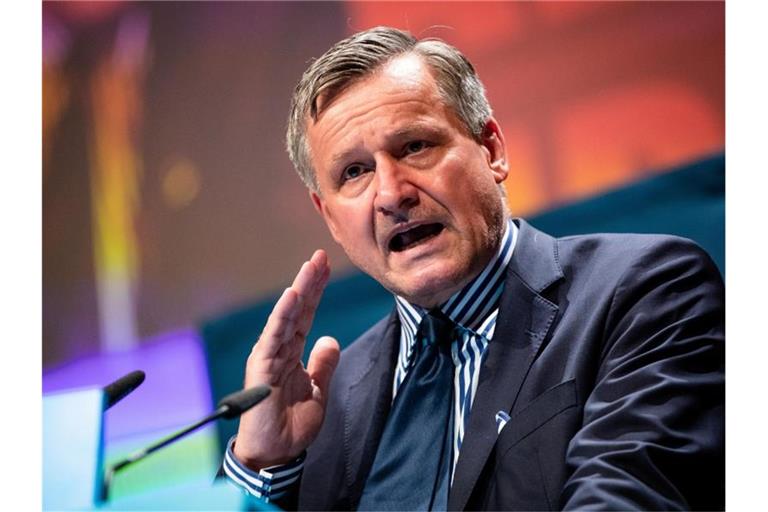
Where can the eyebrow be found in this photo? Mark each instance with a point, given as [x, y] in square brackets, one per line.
[413, 129]
[344, 156]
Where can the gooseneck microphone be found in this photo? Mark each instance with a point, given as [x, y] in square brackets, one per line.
[122, 387]
[231, 406]
[235, 404]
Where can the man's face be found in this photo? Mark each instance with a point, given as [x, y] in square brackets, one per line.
[404, 189]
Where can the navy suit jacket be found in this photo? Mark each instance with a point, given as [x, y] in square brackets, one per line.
[608, 355]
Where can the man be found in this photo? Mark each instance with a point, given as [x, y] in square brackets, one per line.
[584, 372]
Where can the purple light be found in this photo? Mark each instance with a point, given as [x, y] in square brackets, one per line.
[175, 392]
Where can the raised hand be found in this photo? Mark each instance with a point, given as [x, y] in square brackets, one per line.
[288, 421]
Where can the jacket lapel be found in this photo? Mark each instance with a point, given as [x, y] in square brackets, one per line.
[368, 401]
[525, 318]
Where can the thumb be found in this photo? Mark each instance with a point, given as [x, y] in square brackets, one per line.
[322, 362]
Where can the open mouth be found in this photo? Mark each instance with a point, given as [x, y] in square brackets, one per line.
[414, 236]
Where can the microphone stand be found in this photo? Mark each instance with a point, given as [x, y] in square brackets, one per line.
[140, 454]
[231, 406]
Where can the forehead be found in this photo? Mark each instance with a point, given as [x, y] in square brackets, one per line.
[404, 73]
[402, 92]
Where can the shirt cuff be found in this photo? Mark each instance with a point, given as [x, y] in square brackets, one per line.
[268, 484]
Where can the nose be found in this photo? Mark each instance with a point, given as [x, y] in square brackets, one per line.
[395, 192]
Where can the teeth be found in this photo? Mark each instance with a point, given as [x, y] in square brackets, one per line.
[402, 241]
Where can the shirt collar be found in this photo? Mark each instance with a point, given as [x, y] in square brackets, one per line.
[472, 305]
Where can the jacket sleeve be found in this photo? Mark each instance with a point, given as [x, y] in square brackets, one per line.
[652, 436]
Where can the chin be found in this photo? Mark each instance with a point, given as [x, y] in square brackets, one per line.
[429, 288]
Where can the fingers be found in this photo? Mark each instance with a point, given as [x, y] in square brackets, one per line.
[322, 363]
[311, 291]
[281, 324]
[294, 311]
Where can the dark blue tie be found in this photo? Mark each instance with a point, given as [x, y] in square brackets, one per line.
[412, 466]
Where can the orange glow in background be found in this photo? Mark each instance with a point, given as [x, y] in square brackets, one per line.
[591, 95]
[116, 108]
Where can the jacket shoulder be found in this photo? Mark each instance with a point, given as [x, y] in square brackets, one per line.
[615, 253]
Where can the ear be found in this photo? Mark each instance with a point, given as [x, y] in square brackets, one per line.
[493, 143]
[322, 209]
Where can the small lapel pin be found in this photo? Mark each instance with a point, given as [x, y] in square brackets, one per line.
[501, 419]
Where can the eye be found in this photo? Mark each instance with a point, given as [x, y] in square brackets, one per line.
[352, 171]
[415, 146]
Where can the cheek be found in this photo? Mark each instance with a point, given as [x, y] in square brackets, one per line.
[466, 178]
[475, 195]
[352, 230]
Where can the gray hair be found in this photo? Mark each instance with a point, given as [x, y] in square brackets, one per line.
[357, 57]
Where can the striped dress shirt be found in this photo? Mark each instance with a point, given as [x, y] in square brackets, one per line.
[474, 309]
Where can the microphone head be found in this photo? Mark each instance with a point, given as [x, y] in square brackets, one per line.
[239, 402]
[122, 387]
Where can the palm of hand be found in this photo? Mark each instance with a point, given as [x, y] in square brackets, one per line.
[288, 421]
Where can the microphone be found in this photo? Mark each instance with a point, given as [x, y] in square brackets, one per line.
[231, 406]
[122, 387]
[235, 404]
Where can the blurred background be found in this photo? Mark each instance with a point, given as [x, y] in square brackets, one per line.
[169, 204]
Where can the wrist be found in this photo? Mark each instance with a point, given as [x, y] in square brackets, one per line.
[258, 463]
